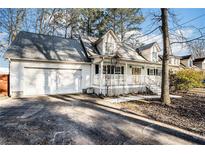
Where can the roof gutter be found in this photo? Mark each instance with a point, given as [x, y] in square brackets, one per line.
[47, 61]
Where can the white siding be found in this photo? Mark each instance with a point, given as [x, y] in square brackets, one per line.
[108, 38]
[203, 64]
[147, 54]
[17, 73]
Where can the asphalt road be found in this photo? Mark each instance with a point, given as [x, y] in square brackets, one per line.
[68, 120]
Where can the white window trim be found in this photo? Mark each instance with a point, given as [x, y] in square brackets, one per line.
[154, 57]
[109, 50]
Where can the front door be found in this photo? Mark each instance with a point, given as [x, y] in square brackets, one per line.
[136, 72]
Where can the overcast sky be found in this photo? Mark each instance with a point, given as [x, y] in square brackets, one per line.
[183, 15]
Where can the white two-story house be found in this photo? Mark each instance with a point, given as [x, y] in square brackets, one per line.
[44, 65]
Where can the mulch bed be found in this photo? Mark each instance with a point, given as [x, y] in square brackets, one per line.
[187, 112]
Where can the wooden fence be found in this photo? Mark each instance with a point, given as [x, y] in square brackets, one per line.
[4, 84]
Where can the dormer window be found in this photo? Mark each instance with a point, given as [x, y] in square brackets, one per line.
[177, 61]
[109, 47]
[190, 64]
[154, 56]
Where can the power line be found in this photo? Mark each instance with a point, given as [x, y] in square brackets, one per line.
[197, 38]
[175, 28]
[192, 33]
[149, 32]
[193, 19]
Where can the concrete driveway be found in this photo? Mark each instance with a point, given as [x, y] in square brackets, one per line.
[78, 119]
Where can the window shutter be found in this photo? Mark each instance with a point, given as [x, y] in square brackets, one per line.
[122, 70]
[108, 69]
[112, 69]
[156, 71]
[96, 69]
[104, 69]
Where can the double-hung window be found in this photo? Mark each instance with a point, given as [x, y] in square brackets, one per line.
[110, 69]
[152, 71]
[154, 56]
[117, 70]
[109, 47]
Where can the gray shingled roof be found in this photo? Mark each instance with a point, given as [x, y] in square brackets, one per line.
[88, 43]
[129, 53]
[144, 47]
[161, 56]
[125, 51]
[44, 47]
[185, 57]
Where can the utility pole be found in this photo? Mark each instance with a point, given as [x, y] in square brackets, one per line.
[165, 98]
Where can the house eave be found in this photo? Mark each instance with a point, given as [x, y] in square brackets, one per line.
[47, 61]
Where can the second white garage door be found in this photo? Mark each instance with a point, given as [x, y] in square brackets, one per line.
[41, 81]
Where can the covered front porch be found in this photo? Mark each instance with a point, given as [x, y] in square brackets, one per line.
[123, 77]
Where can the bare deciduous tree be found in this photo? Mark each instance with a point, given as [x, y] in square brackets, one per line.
[165, 98]
[11, 21]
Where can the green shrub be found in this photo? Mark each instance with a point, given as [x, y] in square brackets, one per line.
[187, 79]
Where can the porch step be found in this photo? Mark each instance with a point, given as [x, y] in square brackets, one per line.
[155, 89]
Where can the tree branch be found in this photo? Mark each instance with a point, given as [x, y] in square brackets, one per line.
[188, 41]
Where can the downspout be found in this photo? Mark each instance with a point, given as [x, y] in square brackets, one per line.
[9, 77]
[101, 75]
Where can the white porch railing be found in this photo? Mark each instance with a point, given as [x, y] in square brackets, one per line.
[109, 79]
[129, 80]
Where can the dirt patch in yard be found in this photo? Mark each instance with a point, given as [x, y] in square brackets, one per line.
[187, 113]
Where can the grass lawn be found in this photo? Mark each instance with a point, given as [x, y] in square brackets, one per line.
[187, 113]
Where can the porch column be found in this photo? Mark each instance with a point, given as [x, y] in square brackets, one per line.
[92, 77]
[155, 77]
[125, 79]
[110, 82]
[101, 76]
[145, 74]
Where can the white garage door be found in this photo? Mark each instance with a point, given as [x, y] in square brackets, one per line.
[39, 81]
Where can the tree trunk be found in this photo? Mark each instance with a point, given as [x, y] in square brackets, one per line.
[66, 31]
[165, 98]
[71, 32]
[114, 20]
[88, 28]
[121, 28]
[41, 21]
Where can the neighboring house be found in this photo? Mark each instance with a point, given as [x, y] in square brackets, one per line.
[186, 61]
[200, 63]
[42, 64]
[151, 52]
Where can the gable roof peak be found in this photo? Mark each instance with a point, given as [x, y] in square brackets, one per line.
[103, 36]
